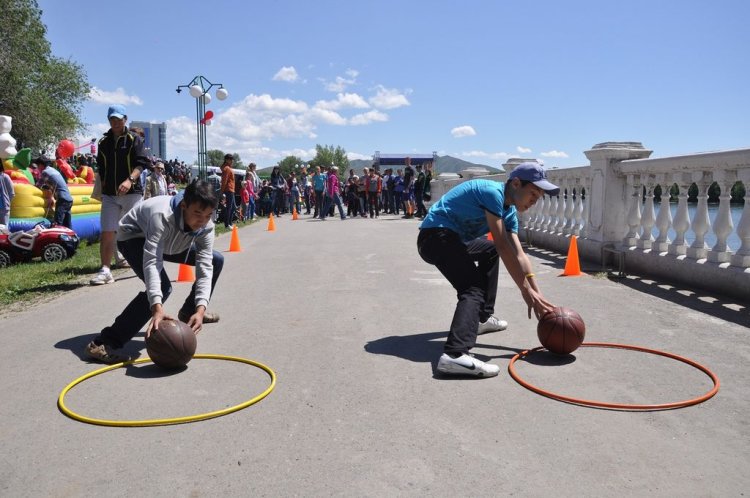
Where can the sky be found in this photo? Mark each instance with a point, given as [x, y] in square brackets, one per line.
[483, 81]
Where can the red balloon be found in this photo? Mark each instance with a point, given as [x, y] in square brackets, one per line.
[209, 115]
[203, 121]
[65, 149]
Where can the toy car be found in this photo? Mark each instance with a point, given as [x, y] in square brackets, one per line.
[55, 243]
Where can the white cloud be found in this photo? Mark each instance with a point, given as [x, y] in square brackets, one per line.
[555, 153]
[118, 96]
[463, 131]
[485, 155]
[267, 103]
[368, 117]
[327, 116]
[389, 98]
[523, 150]
[288, 74]
[343, 100]
[340, 83]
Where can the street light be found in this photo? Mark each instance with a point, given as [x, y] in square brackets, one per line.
[198, 89]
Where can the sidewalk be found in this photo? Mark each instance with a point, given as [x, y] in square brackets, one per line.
[352, 321]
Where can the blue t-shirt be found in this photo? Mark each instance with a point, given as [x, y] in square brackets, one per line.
[462, 209]
[61, 186]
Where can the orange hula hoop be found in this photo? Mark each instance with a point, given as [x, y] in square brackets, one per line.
[619, 406]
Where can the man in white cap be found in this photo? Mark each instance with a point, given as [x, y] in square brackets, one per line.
[121, 160]
[452, 237]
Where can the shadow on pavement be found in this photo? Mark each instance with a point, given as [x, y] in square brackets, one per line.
[76, 345]
[427, 348]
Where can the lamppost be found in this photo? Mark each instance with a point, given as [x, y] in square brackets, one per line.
[199, 88]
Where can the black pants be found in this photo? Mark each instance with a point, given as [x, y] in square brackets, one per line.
[62, 213]
[138, 312]
[231, 207]
[475, 284]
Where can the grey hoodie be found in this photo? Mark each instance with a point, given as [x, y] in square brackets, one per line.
[159, 221]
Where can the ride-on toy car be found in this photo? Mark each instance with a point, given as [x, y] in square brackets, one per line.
[54, 243]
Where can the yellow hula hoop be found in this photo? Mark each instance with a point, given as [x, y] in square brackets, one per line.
[164, 421]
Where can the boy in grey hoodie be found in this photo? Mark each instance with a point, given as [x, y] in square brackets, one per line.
[164, 228]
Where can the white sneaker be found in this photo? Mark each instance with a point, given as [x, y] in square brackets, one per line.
[493, 324]
[103, 277]
[466, 364]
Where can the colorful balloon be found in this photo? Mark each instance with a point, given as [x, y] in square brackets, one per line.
[65, 149]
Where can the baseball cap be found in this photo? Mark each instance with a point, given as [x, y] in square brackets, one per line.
[116, 111]
[534, 173]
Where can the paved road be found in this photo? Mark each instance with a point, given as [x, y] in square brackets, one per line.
[352, 321]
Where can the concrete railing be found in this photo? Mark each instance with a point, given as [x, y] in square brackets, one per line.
[611, 218]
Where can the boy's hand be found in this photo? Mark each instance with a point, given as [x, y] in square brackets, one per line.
[196, 320]
[535, 301]
[157, 315]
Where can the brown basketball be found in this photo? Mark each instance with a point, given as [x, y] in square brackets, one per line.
[172, 345]
[561, 330]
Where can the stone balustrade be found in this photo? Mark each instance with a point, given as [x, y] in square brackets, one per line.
[609, 205]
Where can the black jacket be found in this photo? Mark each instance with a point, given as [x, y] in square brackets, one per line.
[118, 161]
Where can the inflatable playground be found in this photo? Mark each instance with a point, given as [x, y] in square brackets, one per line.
[32, 205]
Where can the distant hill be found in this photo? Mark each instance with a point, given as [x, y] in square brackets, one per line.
[444, 164]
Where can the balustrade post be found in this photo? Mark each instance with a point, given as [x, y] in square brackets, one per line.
[723, 225]
[701, 223]
[569, 205]
[608, 196]
[585, 206]
[664, 219]
[742, 257]
[634, 213]
[681, 219]
[578, 210]
[649, 217]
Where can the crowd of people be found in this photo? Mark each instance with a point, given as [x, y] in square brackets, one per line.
[319, 191]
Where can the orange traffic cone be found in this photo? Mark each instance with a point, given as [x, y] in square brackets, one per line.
[294, 214]
[489, 236]
[186, 274]
[572, 265]
[271, 224]
[234, 244]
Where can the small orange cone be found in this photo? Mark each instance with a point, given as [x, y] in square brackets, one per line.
[234, 244]
[186, 273]
[572, 265]
[294, 214]
[489, 237]
[271, 224]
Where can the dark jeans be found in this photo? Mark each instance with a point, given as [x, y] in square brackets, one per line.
[328, 204]
[138, 312]
[231, 208]
[62, 213]
[374, 207]
[475, 284]
[318, 203]
[419, 197]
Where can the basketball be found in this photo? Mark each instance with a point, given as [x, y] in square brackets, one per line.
[561, 330]
[172, 345]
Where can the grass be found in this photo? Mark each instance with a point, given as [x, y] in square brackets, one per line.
[36, 281]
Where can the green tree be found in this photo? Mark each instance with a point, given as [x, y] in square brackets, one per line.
[42, 93]
[289, 164]
[215, 157]
[326, 155]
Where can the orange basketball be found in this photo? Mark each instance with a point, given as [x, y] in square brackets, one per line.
[561, 330]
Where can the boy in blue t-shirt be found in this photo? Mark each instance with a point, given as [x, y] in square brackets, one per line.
[452, 237]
